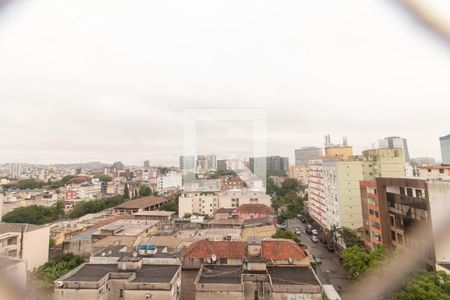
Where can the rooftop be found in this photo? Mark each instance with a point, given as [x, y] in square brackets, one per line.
[254, 209]
[287, 275]
[142, 203]
[92, 272]
[154, 213]
[282, 249]
[205, 249]
[147, 273]
[220, 274]
[18, 227]
[156, 273]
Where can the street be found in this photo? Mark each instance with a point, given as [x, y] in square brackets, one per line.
[330, 271]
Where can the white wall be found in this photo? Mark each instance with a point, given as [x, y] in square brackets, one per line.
[35, 247]
[439, 196]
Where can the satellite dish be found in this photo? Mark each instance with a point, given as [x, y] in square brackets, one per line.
[59, 284]
[109, 252]
[290, 260]
[103, 253]
[213, 258]
[208, 260]
[135, 254]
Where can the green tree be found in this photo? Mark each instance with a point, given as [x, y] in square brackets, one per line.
[426, 286]
[288, 185]
[103, 177]
[285, 234]
[357, 261]
[35, 214]
[87, 207]
[144, 191]
[350, 237]
[57, 267]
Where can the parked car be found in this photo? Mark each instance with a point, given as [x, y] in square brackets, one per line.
[314, 239]
[315, 231]
[324, 240]
[281, 226]
[308, 230]
[330, 247]
[317, 259]
[297, 231]
[302, 219]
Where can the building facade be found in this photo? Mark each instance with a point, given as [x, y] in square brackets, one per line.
[304, 154]
[25, 241]
[395, 142]
[445, 149]
[299, 172]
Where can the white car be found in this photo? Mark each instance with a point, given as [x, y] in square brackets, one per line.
[315, 232]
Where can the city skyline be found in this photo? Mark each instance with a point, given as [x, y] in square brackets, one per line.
[109, 102]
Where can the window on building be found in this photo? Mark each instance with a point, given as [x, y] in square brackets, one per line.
[402, 191]
[392, 220]
[419, 193]
[441, 171]
[393, 235]
[400, 239]
[409, 192]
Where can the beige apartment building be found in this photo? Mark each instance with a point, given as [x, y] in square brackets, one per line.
[339, 152]
[300, 173]
[342, 193]
[383, 162]
[434, 172]
[25, 241]
[208, 203]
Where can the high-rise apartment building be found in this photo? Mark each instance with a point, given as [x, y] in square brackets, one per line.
[304, 154]
[414, 218]
[333, 192]
[395, 142]
[274, 165]
[187, 163]
[445, 149]
[146, 164]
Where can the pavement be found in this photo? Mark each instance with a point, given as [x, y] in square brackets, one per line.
[330, 271]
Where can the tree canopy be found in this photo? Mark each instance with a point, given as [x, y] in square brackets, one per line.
[350, 238]
[285, 234]
[35, 214]
[145, 191]
[357, 261]
[103, 177]
[57, 267]
[26, 184]
[426, 286]
[94, 206]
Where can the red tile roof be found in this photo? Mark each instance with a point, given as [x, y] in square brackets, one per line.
[282, 249]
[222, 249]
[142, 203]
[254, 209]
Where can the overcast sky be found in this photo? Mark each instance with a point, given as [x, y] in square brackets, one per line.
[109, 80]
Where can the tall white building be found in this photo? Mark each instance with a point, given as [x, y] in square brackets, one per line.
[169, 183]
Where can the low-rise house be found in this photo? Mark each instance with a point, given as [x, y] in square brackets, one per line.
[156, 215]
[254, 211]
[128, 279]
[121, 232]
[219, 252]
[25, 241]
[141, 204]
